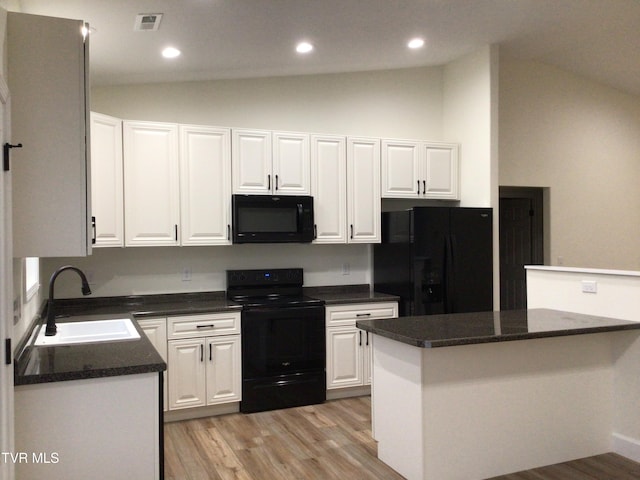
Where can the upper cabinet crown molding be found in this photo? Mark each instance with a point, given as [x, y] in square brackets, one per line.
[266, 162]
[418, 169]
[48, 78]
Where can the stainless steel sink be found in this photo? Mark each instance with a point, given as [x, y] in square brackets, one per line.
[89, 331]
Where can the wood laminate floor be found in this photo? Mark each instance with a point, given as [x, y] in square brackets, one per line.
[319, 442]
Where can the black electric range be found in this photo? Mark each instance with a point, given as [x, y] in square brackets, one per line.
[283, 339]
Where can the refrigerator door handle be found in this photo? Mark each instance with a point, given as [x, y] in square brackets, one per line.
[449, 273]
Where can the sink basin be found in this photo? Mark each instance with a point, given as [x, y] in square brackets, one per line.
[89, 332]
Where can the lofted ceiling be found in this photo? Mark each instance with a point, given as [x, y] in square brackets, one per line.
[253, 38]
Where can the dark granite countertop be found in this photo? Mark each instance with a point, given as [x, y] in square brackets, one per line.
[43, 364]
[432, 331]
[105, 359]
[142, 306]
[334, 295]
[91, 360]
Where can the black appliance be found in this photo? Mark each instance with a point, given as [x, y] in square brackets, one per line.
[436, 259]
[272, 219]
[283, 339]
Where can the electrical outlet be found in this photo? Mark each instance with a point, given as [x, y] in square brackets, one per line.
[589, 286]
[186, 274]
[346, 269]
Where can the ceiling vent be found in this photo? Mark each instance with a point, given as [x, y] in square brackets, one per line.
[147, 22]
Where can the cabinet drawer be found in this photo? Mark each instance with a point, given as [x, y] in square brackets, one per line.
[348, 314]
[205, 325]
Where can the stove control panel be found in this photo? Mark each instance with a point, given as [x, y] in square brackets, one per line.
[273, 276]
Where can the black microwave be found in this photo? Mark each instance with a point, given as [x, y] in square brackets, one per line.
[272, 219]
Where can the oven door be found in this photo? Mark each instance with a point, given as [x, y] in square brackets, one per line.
[279, 341]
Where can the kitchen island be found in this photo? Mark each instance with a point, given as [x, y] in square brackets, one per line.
[476, 395]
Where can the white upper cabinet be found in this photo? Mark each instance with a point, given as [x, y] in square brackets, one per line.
[265, 162]
[329, 188]
[205, 185]
[401, 168]
[415, 169]
[363, 190]
[441, 171]
[107, 181]
[291, 164]
[151, 186]
[251, 161]
[47, 75]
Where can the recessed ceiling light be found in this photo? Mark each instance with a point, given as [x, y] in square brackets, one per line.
[170, 52]
[416, 43]
[304, 47]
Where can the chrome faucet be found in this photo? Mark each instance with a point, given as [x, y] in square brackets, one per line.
[51, 317]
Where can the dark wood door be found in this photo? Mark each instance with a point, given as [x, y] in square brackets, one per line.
[520, 243]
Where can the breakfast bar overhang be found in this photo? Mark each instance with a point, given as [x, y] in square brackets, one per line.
[476, 395]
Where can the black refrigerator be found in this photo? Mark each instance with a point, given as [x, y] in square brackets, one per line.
[436, 259]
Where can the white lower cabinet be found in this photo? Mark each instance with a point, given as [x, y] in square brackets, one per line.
[204, 362]
[156, 331]
[348, 347]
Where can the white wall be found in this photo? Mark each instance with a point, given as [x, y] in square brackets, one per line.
[561, 288]
[137, 271]
[404, 103]
[582, 140]
[468, 97]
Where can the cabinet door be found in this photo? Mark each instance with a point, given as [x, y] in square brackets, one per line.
[48, 81]
[205, 185]
[401, 169]
[344, 357]
[187, 373]
[151, 183]
[363, 185]
[106, 180]
[329, 174]
[156, 331]
[291, 164]
[441, 171]
[367, 356]
[224, 373]
[251, 161]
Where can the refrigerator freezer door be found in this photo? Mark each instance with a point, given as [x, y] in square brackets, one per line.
[471, 272]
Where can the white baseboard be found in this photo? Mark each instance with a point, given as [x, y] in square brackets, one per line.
[626, 446]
